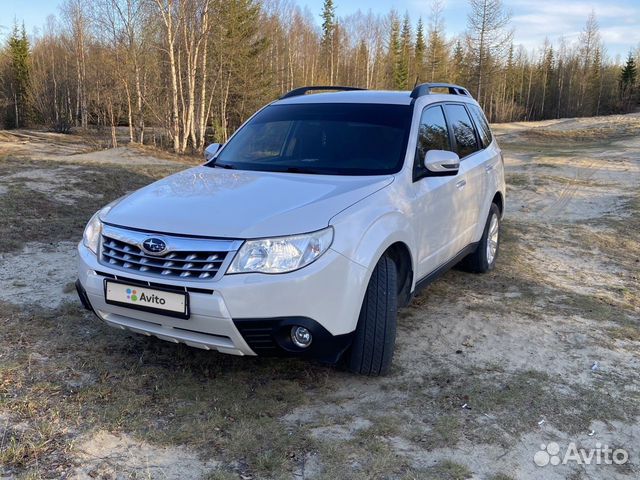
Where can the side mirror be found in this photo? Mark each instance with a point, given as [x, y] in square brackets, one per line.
[211, 151]
[441, 162]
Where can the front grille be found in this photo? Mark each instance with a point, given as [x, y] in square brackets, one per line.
[177, 263]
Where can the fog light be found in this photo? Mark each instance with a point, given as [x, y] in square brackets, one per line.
[301, 336]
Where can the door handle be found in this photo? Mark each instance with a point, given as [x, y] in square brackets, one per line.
[461, 184]
[488, 168]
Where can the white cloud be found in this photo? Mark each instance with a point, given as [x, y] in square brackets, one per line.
[621, 35]
[535, 20]
[579, 10]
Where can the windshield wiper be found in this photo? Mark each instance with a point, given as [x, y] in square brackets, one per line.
[277, 170]
[224, 165]
[300, 170]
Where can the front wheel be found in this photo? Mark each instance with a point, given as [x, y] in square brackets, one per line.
[375, 336]
[484, 258]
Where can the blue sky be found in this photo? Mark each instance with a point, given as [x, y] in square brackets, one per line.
[532, 20]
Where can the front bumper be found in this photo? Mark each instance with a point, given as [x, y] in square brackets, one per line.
[246, 314]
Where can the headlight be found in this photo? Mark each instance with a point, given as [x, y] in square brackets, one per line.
[91, 235]
[281, 254]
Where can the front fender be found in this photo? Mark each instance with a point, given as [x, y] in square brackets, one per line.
[366, 230]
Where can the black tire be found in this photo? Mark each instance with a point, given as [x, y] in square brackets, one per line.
[479, 261]
[372, 349]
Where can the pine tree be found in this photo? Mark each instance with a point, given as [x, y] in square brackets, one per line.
[394, 52]
[20, 72]
[328, 22]
[328, 41]
[419, 51]
[627, 82]
[402, 73]
[595, 81]
[437, 56]
[362, 56]
[239, 47]
[628, 74]
[458, 71]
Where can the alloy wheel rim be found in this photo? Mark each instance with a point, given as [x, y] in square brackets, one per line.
[492, 240]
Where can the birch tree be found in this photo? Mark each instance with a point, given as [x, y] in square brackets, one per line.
[167, 10]
[75, 13]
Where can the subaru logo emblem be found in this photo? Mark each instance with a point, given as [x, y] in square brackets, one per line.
[154, 246]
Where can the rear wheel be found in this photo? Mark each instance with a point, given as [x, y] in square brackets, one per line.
[484, 258]
[375, 336]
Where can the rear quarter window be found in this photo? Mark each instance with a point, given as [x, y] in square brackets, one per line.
[481, 124]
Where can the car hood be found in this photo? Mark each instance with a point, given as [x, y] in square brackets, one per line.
[215, 202]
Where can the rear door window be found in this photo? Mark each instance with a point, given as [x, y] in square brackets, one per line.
[481, 124]
[463, 129]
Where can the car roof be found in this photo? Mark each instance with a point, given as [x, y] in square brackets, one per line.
[386, 97]
[355, 96]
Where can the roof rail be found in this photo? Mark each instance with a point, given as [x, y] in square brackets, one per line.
[425, 89]
[302, 90]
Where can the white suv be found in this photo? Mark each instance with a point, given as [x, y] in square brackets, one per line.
[305, 232]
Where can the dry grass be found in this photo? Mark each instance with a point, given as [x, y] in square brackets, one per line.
[29, 215]
[93, 378]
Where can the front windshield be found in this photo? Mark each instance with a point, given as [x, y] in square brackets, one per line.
[321, 138]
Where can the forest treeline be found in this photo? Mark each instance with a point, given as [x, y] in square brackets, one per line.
[186, 72]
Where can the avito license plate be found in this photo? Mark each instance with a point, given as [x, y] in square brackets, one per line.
[154, 300]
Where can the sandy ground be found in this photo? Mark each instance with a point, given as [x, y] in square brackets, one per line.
[488, 368]
[86, 149]
[102, 454]
[55, 264]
